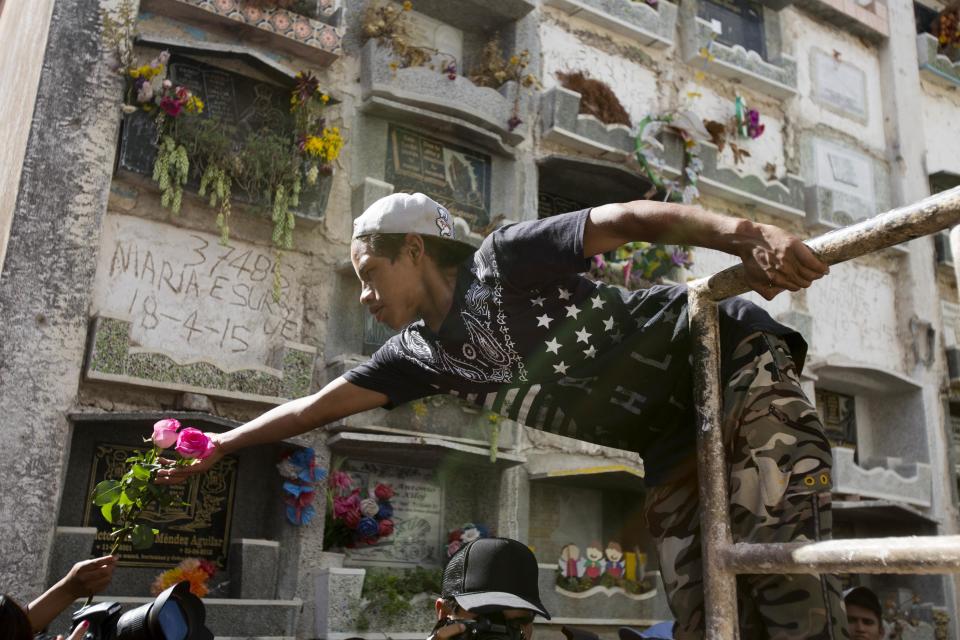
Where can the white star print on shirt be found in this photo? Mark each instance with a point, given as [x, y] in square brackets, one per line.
[597, 302]
[583, 336]
[572, 311]
[538, 301]
[564, 294]
[608, 324]
[544, 321]
[591, 352]
[553, 346]
[669, 315]
[560, 368]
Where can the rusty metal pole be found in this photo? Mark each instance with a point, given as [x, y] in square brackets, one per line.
[721, 559]
[719, 583]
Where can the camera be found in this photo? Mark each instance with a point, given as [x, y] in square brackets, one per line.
[490, 626]
[176, 614]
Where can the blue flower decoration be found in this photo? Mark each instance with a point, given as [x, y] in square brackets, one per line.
[368, 528]
[386, 511]
[302, 457]
[312, 475]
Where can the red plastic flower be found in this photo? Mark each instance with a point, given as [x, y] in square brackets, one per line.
[386, 528]
[383, 491]
[171, 107]
[208, 567]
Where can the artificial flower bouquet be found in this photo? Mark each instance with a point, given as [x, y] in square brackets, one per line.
[356, 516]
[301, 474]
[464, 535]
[196, 572]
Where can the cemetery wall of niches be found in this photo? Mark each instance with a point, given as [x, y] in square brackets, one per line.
[941, 128]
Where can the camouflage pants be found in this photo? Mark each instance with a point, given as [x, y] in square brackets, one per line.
[779, 464]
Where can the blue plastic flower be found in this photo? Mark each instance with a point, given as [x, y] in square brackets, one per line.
[303, 457]
[368, 528]
[386, 511]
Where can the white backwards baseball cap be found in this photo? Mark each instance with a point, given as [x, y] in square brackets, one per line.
[408, 213]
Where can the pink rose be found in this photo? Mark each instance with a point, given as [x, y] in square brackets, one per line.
[383, 491]
[165, 433]
[453, 547]
[193, 443]
[386, 528]
[341, 480]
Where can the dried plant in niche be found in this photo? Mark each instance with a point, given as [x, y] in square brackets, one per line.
[495, 70]
[596, 97]
[388, 25]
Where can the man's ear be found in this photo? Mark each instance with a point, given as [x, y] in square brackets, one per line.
[414, 244]
[439, 606]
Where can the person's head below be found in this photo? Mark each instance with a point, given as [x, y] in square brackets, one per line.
[404, 247]
[495, 578]
[14, 623]
[864, 614]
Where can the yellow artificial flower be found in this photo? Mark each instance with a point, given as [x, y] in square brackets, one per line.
[194, 105]
[407, 5]
[514, 60]
[324, 98]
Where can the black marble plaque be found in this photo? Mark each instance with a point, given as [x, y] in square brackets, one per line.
[549, 204]
[201, 529]
[741, 22]
[454, 176]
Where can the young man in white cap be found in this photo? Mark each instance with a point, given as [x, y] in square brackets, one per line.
[515, 328]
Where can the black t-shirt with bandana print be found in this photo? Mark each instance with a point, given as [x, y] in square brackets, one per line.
[530, 338]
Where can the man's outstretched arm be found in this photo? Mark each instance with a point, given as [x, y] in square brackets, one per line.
[336, 400]
[774, 259]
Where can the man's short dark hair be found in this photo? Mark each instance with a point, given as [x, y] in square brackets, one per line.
[443, 252]
[864, 597]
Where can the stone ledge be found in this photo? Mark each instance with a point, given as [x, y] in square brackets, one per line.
[776, 78]
[110, 360]
[935, 66]
[890, 479]
[562, 123]
[872, 23]
[610, 608]
[431, 91]
[636, 20]
[277, 29]
[476, 15]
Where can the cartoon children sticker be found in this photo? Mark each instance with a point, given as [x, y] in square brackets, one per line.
[593, 567]
[570, 563]
[614, 555]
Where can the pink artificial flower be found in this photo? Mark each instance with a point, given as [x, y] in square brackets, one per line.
[344, 504]
[453, 547]
[386, 528]
[182, 93]
[341, 480]
[208, 567]
[383, 491]
[193, 443]
[171, 107]
[167, 83]
[165, 433]
[352, 518]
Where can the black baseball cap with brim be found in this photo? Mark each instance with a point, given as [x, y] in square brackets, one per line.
[491, 574]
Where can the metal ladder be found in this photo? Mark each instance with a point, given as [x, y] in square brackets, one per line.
[723, 559]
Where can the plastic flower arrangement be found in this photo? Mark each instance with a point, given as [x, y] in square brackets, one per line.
[638, 264]
[301, 475]
[196, 572]
[747, 120]
[122, 501]
[356, 516]
[464, 535]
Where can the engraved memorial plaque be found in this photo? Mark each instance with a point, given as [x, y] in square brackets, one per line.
[417, 515]
[454, 176]
[190, 298]
[198, 529]
[741, 23]
[839, 85]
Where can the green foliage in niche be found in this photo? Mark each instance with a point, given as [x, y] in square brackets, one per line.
[387, 592]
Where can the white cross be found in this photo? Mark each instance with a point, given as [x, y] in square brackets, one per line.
[553, 346]
[560, 368]
[564, 294]
[608, 324]
[572, 311]
[538, 301]
[597, 302]
[591, 352]
[544, 321]
[583, 336]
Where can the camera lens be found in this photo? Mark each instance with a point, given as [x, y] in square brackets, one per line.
[173, 622]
